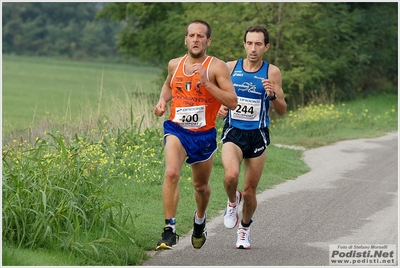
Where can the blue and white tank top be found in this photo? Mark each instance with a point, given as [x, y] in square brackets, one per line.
[253, 102]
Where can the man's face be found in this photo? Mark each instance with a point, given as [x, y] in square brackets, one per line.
[196, 40]
[255, 47]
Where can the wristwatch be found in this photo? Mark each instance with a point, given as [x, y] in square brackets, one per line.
[274, 97]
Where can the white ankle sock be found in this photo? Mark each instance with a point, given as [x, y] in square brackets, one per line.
[233, 204]
[198, 220]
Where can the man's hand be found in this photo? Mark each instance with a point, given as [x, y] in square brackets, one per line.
[222, 112]
[159, 110]
[199, 69]
[269, 87]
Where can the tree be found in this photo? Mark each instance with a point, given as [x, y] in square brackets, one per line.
[58, 29]
[147, 26]
[326, 51]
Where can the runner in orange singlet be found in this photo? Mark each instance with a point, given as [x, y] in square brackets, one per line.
[190, 99]
[196, 85]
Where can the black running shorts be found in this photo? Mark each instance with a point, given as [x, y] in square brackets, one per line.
[252, 142]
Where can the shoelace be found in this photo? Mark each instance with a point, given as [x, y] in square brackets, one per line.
[242, 234]
[231, 211]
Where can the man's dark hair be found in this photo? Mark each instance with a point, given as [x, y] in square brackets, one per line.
[257, 28]
[202, 22]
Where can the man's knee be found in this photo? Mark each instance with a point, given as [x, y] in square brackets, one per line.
[201, 187]
[231, 177]
[249, 194]
[172, 175]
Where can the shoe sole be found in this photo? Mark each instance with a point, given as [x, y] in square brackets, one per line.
[242, 247]
[163, 246]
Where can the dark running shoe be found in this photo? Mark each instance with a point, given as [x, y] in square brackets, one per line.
[168, 239]
[199, 235]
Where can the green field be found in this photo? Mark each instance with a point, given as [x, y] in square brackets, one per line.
[34, 88]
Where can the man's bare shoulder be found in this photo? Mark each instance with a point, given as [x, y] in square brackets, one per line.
[231, 63]
[218, 63]
[273, 69]
[173, 64]
[218, 60]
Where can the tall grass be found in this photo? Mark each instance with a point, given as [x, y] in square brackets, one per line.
[56, 179]
[54, 196]
[320, 124]
[115, 111]
[56, 193]
[38, 92]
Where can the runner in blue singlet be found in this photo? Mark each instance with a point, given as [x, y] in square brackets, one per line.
[245, 135]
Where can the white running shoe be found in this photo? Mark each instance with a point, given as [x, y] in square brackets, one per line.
[243, 238]
[231, 215]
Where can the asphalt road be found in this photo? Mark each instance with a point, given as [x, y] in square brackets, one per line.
[349, 197]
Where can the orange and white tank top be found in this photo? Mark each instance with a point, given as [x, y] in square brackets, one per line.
[193, 107]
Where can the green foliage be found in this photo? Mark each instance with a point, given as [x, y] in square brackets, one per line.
[54, 196]
[339, 50]
[145, 33]
[57, 193]
[58, 29]
[321, 124]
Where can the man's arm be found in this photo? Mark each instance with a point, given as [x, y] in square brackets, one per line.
[274, 76]
[166, 91]
[222, 89]
[223, 110]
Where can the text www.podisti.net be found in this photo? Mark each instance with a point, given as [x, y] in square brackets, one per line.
[352, 254]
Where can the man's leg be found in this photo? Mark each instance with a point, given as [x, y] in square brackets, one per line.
[201, 176]
[253, 170]
[174, 157]
[231, 159]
